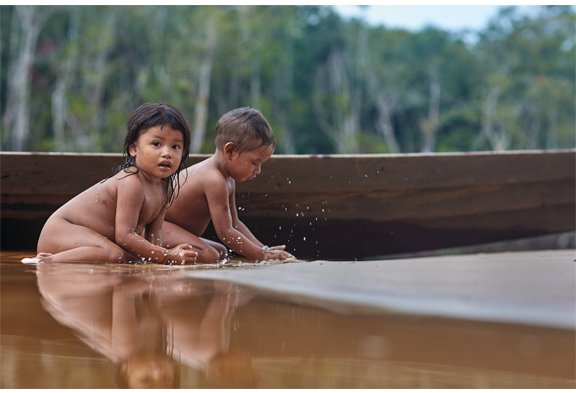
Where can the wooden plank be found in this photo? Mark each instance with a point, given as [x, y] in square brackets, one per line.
[348, 204]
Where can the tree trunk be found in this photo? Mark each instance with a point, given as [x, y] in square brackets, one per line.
[255, 83]
[106, 43]
[552, 138]
[59, 101]
[283, 96]
[384, 124]
[201, 110]
[430, 127]
[17, 116]
[8, 116]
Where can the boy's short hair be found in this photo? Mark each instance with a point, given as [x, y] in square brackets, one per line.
[244, 127]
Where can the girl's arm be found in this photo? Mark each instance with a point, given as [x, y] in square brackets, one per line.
[154, 229]
[129, 201]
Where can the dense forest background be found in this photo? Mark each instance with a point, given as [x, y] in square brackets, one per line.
[71, 75]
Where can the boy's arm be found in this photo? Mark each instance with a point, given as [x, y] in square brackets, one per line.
[220, 211]
[129, 201]
[244, 229]
[236, 223]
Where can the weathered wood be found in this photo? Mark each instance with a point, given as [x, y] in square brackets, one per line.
[341, 206]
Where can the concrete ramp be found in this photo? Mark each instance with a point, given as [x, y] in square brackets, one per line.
[534, 288]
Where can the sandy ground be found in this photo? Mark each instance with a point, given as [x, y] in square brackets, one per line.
[535, 288]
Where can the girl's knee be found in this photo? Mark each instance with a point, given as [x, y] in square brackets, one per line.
[209, 255]
[116, 254]
[222, 251]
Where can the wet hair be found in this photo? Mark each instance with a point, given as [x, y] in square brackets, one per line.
[244, 127]
[151, 115]
[121, 378]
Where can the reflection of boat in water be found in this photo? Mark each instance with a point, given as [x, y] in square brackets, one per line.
[341, 206]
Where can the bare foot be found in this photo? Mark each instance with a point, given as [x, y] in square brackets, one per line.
[41, 257]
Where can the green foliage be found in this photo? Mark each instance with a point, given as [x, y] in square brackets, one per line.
[326, 85]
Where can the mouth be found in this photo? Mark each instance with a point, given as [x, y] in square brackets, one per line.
[165, 165]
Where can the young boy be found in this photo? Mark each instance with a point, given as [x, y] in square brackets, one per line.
[244, 141]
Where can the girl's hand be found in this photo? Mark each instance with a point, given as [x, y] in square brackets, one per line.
[182, 254]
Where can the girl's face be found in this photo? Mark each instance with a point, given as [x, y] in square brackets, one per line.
[149, 372]
[158, 151]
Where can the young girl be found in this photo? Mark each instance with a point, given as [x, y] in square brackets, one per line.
[120, 219]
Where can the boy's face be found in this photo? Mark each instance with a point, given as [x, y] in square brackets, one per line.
[246, 165]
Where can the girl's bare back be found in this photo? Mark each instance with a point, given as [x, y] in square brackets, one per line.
[89, 220]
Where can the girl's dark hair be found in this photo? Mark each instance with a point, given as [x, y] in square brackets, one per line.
[151, 115]
[244, 127]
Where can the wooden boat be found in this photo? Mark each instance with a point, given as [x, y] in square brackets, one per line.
[336, 206]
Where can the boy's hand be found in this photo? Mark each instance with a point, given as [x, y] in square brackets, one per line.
[182, 254]
[275, 253]
[276, 248]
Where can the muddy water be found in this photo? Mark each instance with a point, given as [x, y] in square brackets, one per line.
[108, 326]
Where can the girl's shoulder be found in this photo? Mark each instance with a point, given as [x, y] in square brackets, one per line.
[124, 181]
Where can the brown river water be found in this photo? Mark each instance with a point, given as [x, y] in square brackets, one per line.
[112, 326]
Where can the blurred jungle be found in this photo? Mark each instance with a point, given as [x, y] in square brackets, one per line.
[71, 76]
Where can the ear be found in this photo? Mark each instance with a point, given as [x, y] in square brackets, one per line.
[230, 149]
[132, 149]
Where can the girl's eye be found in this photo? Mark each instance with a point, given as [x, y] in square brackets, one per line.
[176, 147]
[156, 143]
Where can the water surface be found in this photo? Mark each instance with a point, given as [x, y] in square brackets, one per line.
[108, 326]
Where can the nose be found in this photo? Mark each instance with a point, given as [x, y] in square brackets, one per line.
[258, 169]
[167, 152]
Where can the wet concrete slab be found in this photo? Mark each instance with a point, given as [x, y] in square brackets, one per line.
[535, 288]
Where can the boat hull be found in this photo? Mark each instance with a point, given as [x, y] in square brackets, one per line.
[340, 207]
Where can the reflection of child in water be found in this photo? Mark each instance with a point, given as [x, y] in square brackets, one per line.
[232, 370]
[244, 141]
[149, 364]
[120, 219]
[143, 322]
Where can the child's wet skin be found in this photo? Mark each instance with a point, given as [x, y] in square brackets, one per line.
[120, 219]
[244, 142]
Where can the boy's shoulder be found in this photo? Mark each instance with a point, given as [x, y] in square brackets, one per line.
[204, 172]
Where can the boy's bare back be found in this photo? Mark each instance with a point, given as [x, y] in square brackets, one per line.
[191, 210]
